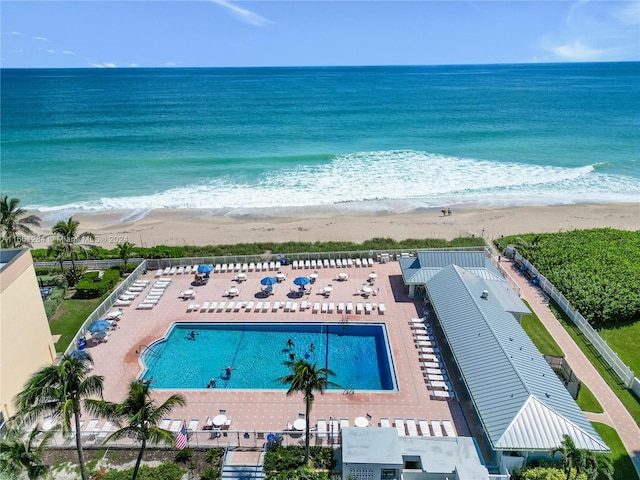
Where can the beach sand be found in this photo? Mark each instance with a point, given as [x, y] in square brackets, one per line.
[198, 227]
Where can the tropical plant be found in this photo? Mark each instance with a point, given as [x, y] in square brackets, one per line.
[67, 244]
[21, 452]
[306, 378]
[598, 466]
[125, 250]
[58, 390]
[137, 417]
[573, 458]
[15, 221]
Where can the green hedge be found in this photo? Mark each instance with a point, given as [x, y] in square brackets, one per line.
[54, 299]
[163, 251]
[166, 471]
[88, 287]
[49, 280]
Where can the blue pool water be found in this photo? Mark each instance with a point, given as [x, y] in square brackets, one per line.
[358, 354]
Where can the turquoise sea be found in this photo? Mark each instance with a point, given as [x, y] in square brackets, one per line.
[291, 141]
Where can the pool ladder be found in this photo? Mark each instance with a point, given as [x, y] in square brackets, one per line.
[144, 348]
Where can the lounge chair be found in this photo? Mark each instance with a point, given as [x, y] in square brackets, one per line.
[334, 428]
[307, 264]
[439, 385]
[331, 307]
[381, 308]
[252, 266]
[221, 306]
[173, 270]
[175, 426]
[316, 307]
[399, 423]
[412, 428]
[104, 432]
[304, 305]
[349, 307]
[344, 423]
[213, 306]
[287, 306]
[91, 428]
[294, 307]
[340, 307]
[436, 378]
[276, 306]
[193, 425]
[180, 270]
[326, 263]
[230, 306]
[314, 264]
[259, 306]
[359, 308]
[249, 307]
[165, 423]
[324, 308]
[238, 306]
[448, 428]
[368, 308]
[424, 428]
[259, 267]
[322, 429]
[145, 306]
[205, 307]
[442, 395]
[191, 307]
[385, 423]
[266, 307]
[437, 428]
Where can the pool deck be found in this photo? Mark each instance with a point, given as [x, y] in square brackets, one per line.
[254, 410]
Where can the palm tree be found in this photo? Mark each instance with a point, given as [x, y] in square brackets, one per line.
[14, 220]
[306, 378]
[125, 250]
[58, 390]
[598, 466]
[572, 457]
[137, 416]
[19, 452]
[67, 242]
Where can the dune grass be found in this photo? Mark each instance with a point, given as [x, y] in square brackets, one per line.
[69, 318]
[624, 469]
[539, 335]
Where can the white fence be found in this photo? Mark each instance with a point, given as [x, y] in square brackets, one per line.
[625, 374]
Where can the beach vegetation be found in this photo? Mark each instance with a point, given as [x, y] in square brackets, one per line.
[22, 452]
[288, 462]
[69, 317]
[15, 224]
[125, 252]
[68, 245]
[55, 299]
[596, 270]
[58, 390]
[137, 417]
[164, 471]
[306, 378]
[92, 285]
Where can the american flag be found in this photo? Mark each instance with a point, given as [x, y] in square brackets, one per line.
[181, 438]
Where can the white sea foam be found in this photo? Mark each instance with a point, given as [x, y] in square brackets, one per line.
[382, 182]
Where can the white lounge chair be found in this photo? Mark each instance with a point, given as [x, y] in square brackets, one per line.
[304, 305]
[316, 307]
[324, 308]
[91, 429]
[252, 267]
[344, 423]
[326, 263]
[165, 423]
[249, 307]
[334, 428]
[191, 307]
[399, 423]
[349, 307]
[205, 307]
[322, 429]
[412, 428]
[259, 306]
[381, 308]
[359, 308]
[448, 428]
[213, 306]
[238, 306]
[276, 306]
[368, 308]
[437, 428]
[294, 307]
[193, 425]
[442, 395]
[385, 423]
[266, 307]
[340, 307]
[175, 426]
[230, 306]
[104, 431]
[221, 306]
[287, 306]
[424, 428]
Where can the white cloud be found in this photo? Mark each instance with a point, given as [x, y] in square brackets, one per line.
[628, 14]
[68, 52]
[243, 14]
[103, 65]
[579, 52]
[16, 33]
[42, 39]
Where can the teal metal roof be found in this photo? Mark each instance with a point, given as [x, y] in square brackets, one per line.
[520, 401]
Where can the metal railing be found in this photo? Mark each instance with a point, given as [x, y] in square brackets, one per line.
[610, 357]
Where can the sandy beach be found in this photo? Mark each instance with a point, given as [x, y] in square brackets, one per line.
[198, 227]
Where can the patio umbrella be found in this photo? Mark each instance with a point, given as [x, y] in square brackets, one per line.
[269, 281]
[302, 281]
[99, 325]
[79, 354]
[99, 334]
[205, 269]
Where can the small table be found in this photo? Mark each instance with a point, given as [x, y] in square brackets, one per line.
[300, 424]
[366, 289]
[241, 277]
[362, 422]
[219, 420]
[373, 276]
[233, 291]
[188, 293]
[313, 277]
[343, 276]
[280, 277]
[327, 290]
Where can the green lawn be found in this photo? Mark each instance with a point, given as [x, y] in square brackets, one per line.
[587, 401]
[628, 399]
[70, 316]
[624, 469]
[539, 335]
[624, 341]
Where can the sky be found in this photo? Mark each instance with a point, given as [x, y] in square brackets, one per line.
[228, 33]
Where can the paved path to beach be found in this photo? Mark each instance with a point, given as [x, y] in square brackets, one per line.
[615, 414]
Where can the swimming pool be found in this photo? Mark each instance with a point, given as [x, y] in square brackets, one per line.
[359, 354]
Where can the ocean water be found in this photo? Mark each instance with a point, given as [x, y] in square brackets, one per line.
[298, 141]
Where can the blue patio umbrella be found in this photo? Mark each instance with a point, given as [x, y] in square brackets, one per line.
[302, 281]
[205, 269]
[99, 325]
[79, 354]
[269, 281]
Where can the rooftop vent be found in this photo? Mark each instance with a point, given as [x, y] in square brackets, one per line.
[485, 294]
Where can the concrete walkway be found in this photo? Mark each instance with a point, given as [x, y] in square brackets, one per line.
[615, 414]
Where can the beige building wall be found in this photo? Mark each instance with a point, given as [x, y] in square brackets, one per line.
[26, 344]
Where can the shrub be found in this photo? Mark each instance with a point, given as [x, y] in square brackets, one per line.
[54, 299]
[89, 288]
[214, 456]
[184, 455]
[211, 473]
[166, 471]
